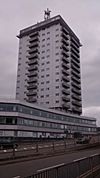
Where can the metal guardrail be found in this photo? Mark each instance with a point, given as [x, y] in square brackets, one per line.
[76, 169]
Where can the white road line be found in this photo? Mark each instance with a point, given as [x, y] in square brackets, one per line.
[33, 147]
[95, 154]
[4, 151]
[17, 177]
[25, 148]
[51, 167]
[15, 149]
[79, 159]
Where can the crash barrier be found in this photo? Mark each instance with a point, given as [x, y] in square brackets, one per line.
[76, 169]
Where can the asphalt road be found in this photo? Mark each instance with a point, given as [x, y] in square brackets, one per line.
[26, 168]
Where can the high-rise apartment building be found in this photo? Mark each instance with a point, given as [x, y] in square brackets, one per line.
[49, 66]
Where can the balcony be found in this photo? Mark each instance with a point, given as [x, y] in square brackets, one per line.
[32, 56]
[66, 85]
[65, 59]
[76, 85]
[64, 47]
[75, 74]
[33, 61]
[76, 91]
[33, 73]
[64, 41]
[65, 65]
[32, 80]
[65, 78]
[64, 30]
[77, 109]
[75, 68]
[75, 57]
[34, 39]
[32, 100]
[32, 86]
[65, 105]
[66, 98]
[33, 67]
[75, 52]
[77, 103]
[34, 44]
[33, 50]
[64, 71]
[76, 79]
[65, 53]
[76, 43]
[66, 91]
[32, 92]
[77, 97]
[34, 34]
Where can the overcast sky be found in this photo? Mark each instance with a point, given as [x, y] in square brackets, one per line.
[83, 16]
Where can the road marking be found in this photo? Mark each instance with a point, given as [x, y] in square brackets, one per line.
[58, 165]
[33, 147]
[95, 154]
[17, 177]
[25, 148]
[15, 149]
[79, 159]
[4, 151]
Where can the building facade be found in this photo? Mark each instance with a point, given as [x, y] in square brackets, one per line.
[49, 66]
[23, 120]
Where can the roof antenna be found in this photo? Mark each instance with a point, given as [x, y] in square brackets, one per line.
[47, 14]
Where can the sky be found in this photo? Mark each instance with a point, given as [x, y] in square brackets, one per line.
[83, 16]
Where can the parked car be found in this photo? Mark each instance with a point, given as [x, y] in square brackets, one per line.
[82, 140]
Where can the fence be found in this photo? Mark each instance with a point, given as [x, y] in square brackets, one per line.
[75, 169]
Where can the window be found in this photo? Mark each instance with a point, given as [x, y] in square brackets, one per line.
[43, 34]
[47, 75]
[57, 86]
[57, 41]
[57, 80]
[57, 60]
[42, 89]
[57, 29]
[57, 73]
[48, 44]
[43, 46]
[48, 32]
[57, 94]
[48, 56]
[42, 76]
[48, 62]
[47, 88]
[47, 102]
[43, 57]
[57, 101]
[47, 95]
[42, 82]
[57, 54]
[43, 51]
[48, 50]
[57, 35]
[57, 67]
[42, 64]
[48, 38]
[47, 68]
[47, 81]
[42, 70]
[42, 96]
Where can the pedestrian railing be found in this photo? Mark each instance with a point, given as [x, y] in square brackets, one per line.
[76, 169]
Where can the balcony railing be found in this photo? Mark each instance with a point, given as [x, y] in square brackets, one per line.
[34, 44]
[77, 97]
[64, 71]
[33, 50]
[75, 67]
[65, 78]
[31, 93]
[33, 61]
[32, 86]
[34, 39]
[76, 74]
[32, 56]
[76, 85]
[32, 80]
[77, 103]
[33, 67]
[66, 91]
[76, 79]
[33, 73]
[66, 85]
[76, 91]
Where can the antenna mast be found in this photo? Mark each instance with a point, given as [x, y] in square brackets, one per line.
[47, 14]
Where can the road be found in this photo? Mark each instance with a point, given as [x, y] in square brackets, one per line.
[26, 168]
